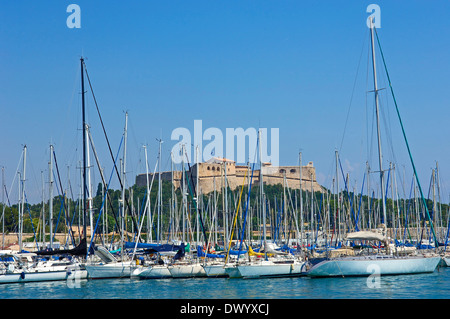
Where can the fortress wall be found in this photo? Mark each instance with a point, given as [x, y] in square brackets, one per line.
[212, 175]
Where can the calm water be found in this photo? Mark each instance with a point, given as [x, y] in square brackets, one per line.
[424, 286]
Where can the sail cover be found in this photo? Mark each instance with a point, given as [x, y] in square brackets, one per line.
[365, 235]
[80, 250]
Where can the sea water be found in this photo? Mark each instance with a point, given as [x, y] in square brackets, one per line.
[434, 285]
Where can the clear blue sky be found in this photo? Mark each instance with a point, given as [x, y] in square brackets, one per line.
[300, 66]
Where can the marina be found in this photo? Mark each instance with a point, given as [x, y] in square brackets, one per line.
[190, 221]
[420, 286]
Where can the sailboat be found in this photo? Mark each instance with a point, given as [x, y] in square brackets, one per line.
[40, 266]
[110, 266]
[386, 263]
[47, 265]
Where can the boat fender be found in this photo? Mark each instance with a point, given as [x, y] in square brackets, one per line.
[22, 275]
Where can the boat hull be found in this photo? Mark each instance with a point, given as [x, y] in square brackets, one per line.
[152, 272]
[271, 269]
[38, 276]
[215, 270]
[111, 270]
[187, 270]
[342, 267]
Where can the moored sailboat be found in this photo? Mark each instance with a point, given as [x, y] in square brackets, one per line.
[378, 262]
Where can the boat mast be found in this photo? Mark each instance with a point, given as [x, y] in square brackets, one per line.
[89, 183]
[197, 195]
[148, 196]
[183, 189]
[3, 207]
[301, 201]
[172, 201]
[84, 149]
[123, 184]
[261, 190]
[380, 156]
[158, 234]
[23, 197]
[50, 175]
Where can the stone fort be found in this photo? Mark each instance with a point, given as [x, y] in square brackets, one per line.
[213, 173]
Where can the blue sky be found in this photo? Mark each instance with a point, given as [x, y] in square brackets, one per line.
[300, 66]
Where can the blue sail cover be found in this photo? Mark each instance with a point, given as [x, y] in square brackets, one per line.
[237, 252]
[157, 247]
[201, 253]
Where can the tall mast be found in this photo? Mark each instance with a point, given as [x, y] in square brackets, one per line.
[148, 196]
[183, 195]
[84, 149]
[3, 207]
[261, 188]
[301, 201]
[380, 156]
[50, 198]
[158, 234]
[338, 199]
[23, 197]
[197, 195]
[123, 181]
[89, 183]
[225, 216]
[172, 201]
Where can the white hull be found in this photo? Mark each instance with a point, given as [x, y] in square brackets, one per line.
[215, 270]
[39, 274]
[187, 270]
[272, 269]
[365, 266]
[152, 272]
[111, 270]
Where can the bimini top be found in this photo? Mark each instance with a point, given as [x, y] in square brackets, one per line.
[365, 235]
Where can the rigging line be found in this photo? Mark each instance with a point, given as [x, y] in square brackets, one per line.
[104, 198]
[70, 105]
[15, 175]
[406, 141]
[63, 198]
[348, 193]
[31, 219]
[110, 201]
[109, 146]
[351, 97]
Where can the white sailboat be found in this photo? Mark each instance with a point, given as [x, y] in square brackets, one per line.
[109, 266]
[386, 263]
[20, 266]
[269, 263]
[26, 268]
